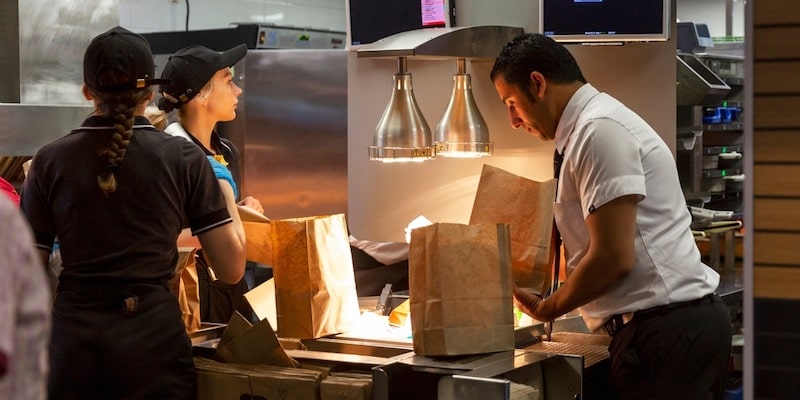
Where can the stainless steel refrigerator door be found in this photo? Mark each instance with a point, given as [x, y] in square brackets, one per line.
[291, 129]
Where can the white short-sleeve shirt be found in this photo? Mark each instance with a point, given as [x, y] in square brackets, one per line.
[609, 152]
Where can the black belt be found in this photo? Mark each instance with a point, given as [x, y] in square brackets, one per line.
[124, 296]
[617, 321]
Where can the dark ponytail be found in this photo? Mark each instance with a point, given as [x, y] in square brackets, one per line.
[121, 106]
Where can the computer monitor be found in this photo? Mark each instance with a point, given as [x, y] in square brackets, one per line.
[598, 21]
[371, 20]
[693, 38]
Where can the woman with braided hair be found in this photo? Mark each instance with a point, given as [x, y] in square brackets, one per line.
[117, 192]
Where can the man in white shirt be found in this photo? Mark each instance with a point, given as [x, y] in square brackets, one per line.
[632, 264]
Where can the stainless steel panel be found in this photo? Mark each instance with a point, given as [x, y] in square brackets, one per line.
[484, 376]
[470, 388]
[53, 36]
[9, 48]
[697, 85]
[364, 348]
[292, 131]
[24, 128]
[42, 45]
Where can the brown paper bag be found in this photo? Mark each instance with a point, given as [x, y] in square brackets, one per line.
[460, 289]
[527, 206]
[185, 285]
[244, 343]
[258, 231]
[315, 287]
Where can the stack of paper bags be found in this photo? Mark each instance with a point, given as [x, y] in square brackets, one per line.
[231, 381]
[346, 386]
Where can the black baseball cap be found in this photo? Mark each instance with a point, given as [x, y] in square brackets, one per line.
[122, 50]
[190, 68]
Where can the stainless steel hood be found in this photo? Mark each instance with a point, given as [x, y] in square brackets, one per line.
[473, 42]
[42, 44]
[697, 85]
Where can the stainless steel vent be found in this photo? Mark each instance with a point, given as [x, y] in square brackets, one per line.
[473, 42]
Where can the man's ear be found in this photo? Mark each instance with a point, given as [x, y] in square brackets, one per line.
[538, 83]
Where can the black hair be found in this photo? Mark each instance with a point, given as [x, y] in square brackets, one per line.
[530, 52]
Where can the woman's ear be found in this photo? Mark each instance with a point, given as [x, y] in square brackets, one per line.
[86, 93]
[201, 98]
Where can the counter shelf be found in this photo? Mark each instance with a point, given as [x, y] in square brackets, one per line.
[486, 376]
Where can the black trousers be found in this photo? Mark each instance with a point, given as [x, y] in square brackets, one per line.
[119, 344]
[680, 353]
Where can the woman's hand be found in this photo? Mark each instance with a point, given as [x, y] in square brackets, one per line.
[253, 203]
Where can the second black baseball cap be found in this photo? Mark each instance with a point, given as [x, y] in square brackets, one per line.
[190, 68]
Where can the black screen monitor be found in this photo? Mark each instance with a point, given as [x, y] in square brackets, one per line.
[372, 20]
[588, 21]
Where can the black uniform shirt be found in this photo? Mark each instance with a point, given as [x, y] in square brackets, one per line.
[164, 184]
[226, 149]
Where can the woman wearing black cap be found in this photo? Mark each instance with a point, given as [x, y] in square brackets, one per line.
[202, 89]
[117, 192]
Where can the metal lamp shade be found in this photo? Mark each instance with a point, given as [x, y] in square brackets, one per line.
[462, 131]
[402, 134]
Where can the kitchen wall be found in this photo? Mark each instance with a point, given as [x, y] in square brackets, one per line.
[713, 13]
[384, 198]
[774, 192]
[170, 15]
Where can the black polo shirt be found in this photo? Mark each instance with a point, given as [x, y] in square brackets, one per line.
[164, 184]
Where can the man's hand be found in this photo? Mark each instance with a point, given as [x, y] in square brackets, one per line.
[527, 302]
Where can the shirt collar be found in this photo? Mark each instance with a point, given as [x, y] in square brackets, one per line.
[176, 129]
[105, 121]
[569, 117]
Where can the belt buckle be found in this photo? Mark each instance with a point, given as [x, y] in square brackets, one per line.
[616, 322]
[611, 325]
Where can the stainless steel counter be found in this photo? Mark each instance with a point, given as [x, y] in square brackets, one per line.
[573, 365]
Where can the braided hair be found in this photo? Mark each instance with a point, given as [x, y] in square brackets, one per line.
[121, 105]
